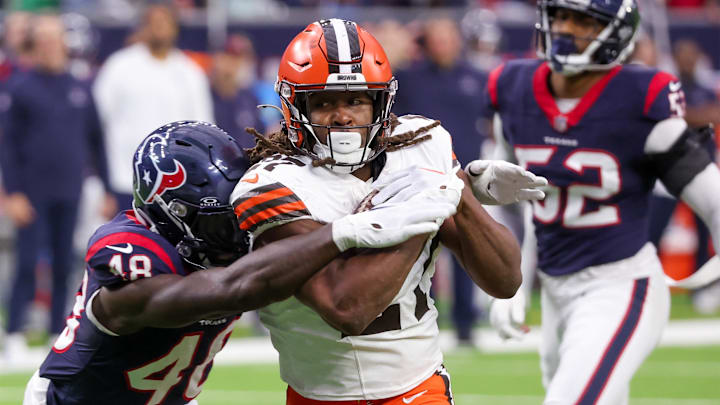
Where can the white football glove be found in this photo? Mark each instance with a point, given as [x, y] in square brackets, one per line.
[497, 182]
[390, 224]
[507, 316]
[414, 182]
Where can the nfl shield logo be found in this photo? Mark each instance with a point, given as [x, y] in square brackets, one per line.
[560, 123]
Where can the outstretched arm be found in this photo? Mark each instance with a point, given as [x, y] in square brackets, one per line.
[267, 275]
[270, 273]
[487, 250]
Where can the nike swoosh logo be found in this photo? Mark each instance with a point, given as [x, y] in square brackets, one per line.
[252, 179]
[127, 249]
[412, 398]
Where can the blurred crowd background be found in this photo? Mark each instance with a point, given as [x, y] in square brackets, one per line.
[83, 81]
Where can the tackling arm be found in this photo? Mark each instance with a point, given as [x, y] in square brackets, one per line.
[270, 274]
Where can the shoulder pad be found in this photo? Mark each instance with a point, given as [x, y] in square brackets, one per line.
[128, 256]
[259, 199]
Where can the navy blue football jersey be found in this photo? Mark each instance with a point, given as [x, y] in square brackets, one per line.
[153, 366]
[600, 177]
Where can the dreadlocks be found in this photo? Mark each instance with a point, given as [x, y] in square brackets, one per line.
[278, 142]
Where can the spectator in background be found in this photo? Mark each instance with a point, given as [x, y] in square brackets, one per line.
[15, 39]
[399, 42]
[261, 86]
[14, 56]
[480, 27]
[143, 86]
[446, 87]
[51, 134]
[703, 106]
[234, 101]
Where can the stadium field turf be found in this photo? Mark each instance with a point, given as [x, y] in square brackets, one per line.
[671, 376]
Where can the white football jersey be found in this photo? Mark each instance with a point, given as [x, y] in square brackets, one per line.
[400, 348]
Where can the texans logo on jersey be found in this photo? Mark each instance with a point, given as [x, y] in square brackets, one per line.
[158, 172]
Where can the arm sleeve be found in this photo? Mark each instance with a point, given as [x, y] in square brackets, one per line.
[702, 194]
[676, 153]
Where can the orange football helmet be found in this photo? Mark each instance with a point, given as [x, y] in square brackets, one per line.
[334, 55]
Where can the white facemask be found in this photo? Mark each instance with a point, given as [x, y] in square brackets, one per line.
[346, 148]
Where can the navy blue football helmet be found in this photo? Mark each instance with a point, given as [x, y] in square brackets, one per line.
[183, 175]
[608, 49]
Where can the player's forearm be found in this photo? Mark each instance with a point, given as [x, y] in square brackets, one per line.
[352, 291]
[489, 252]
[277, 270]
[269, 274]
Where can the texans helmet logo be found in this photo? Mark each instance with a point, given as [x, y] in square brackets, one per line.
[155, 171]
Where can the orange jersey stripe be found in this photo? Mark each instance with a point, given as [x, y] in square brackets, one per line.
[261, 198]
[272, 212]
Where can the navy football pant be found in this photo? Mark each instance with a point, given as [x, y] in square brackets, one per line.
[54, 225]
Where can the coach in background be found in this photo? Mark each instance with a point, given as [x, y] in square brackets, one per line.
[51, 134]
[144, 86]
[234, 101]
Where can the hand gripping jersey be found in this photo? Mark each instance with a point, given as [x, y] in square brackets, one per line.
[593, 157]
[400, 348]
[90, 364]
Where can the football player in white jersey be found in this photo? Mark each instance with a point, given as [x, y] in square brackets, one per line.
[364, 328]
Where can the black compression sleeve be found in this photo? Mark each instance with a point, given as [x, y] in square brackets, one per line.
[687, 157]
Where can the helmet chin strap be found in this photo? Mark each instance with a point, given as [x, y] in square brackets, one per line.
[345, 148]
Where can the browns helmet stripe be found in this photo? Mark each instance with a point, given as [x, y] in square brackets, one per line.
[354, 41]
[331, 45]
[343, 46]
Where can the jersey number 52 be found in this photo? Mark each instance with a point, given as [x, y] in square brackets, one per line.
[572, 214]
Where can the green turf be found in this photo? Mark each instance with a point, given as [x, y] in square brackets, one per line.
[677, 376]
